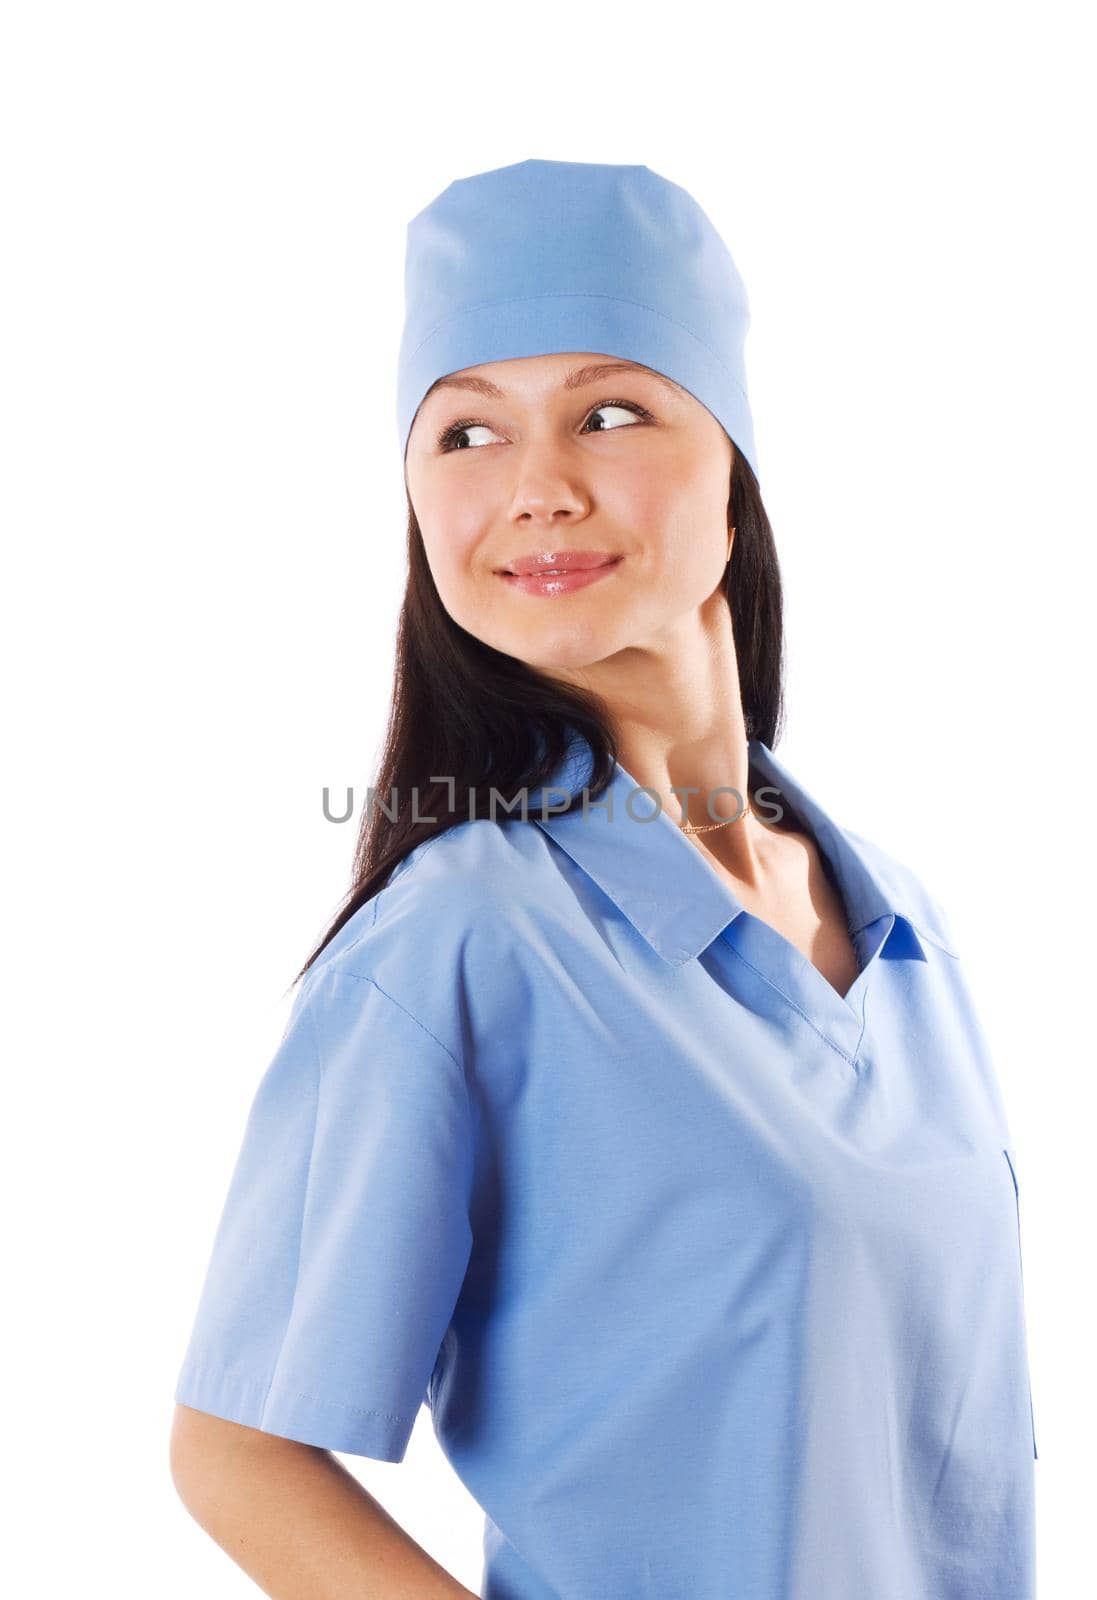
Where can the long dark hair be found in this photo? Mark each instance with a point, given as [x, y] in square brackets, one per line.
[461, 710]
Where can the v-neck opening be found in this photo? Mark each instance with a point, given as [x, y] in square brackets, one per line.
[853, 999]
[838, 1018]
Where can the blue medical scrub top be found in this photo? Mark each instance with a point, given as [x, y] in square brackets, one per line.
[710, 1277]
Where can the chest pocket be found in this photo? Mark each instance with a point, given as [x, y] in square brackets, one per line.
[1012, 1163]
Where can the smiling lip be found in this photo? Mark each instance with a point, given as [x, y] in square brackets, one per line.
[558, 560]
[559, 572]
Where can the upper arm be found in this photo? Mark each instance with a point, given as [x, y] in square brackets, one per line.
[345, 1233]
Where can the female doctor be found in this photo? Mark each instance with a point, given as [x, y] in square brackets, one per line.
[633, 1114]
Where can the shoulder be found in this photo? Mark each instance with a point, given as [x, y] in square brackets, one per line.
[905, 887]
[452, 919]
[453, 886]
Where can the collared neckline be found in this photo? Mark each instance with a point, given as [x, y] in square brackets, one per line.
[666, 888]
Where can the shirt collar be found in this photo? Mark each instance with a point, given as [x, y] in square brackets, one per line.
[666, 889]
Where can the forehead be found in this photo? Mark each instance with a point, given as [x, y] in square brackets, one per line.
[494, 380]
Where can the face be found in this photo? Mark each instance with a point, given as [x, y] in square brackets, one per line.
[577, 458]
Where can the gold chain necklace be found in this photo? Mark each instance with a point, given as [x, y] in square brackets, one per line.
[707, 827]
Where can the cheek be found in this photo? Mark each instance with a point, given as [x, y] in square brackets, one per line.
[450, 537]
[659, 502]
[638, 501]
[680, 520]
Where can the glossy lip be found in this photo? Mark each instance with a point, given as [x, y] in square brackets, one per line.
[558, 561]
[566, 572]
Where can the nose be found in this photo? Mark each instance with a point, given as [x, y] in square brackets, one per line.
[546, 491]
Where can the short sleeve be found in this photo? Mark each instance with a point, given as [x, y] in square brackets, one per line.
[345, 1233]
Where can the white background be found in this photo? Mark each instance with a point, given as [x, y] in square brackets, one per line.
[204, 211]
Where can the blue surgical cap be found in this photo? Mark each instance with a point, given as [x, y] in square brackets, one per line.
[545, 257]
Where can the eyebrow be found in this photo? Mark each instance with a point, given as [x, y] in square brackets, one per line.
[593, 372]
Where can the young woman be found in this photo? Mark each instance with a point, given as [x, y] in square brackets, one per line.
[633, 1113]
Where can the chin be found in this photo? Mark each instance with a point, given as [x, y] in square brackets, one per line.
[548, 645]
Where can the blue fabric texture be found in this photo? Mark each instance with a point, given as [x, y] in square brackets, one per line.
[709, 1275]
[544, 257]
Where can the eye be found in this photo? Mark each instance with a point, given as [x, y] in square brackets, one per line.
[450, 436]
[627, 406]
